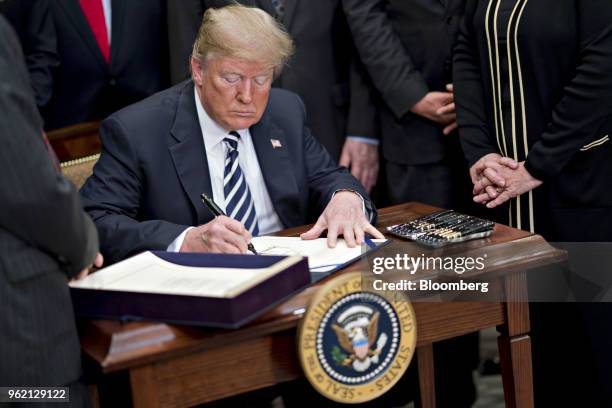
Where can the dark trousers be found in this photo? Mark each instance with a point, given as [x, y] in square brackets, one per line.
[445, 185]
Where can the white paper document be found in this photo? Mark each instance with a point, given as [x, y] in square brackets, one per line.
[321, 258]
[147, 273]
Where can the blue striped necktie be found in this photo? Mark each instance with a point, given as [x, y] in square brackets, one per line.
[239, 203]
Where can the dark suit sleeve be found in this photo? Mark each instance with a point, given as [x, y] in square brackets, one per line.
[585, 103]
[362, 118]
[325, 177]
[474, 130]
[40, 48]
[384, 55]
[38, 206]
[112, 197]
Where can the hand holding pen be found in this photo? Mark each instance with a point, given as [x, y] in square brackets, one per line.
[217, 211]
[221, 235]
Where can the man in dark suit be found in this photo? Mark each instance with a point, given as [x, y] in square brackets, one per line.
[112, 54]
[226, 134]
[324, 71]
[406, 47]
[45, 239]
[33, 23]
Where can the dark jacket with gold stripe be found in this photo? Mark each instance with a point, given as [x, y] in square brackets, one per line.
[533, 81]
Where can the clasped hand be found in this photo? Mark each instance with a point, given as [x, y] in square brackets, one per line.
[439, 107]
[497, 179]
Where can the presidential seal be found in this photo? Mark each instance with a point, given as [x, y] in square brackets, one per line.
[355, 345]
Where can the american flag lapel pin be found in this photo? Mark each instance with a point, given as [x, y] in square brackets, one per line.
[276, 144]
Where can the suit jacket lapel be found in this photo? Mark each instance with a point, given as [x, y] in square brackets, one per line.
[117, 10]
[290, 9]
[189, 153]
[77, 18]
[277, 170]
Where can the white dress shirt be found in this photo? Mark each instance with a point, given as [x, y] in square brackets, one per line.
[216, 151]
[108, 17]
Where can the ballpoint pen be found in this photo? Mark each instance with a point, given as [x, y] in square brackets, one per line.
[214, 208]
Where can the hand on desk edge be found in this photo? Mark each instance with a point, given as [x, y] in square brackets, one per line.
[343, 216]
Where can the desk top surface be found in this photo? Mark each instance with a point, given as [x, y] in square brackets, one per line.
[115, 345]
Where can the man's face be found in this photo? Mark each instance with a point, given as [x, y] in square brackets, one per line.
[234, 92]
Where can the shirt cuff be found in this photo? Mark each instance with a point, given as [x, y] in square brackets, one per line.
[175, 246]
[363, 139]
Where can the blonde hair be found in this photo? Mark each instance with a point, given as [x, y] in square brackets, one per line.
[237, 31]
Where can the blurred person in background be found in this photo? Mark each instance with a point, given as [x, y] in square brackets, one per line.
[33, 24]
[112, 53]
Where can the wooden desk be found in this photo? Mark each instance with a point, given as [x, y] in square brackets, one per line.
[177, 366]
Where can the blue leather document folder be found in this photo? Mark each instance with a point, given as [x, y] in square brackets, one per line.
[195, 289]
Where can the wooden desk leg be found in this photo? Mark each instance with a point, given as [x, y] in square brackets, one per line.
[427, 383]
[515, 345]
[144, 391]
[94, 396]
[515, 359]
